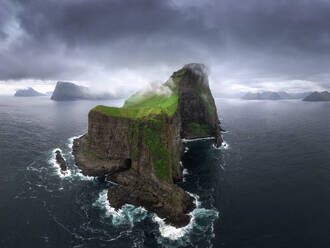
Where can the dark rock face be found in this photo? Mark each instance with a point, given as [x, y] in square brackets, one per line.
[318, 96]
[143, 155]
[65, 91]
[60, 161]
[197, 108]
[29, 92]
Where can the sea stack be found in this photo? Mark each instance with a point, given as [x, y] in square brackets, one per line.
[139, 146]
[60, 161]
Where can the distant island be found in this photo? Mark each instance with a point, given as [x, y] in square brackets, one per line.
[318, 97]
[29, 92]
[66, 91]
[270, 95]
[139, 146]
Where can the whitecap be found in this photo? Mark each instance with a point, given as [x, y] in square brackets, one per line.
[126, 215]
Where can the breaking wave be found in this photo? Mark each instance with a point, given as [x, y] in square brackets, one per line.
[202, 221]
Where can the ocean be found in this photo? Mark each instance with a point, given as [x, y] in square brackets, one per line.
[269, 186]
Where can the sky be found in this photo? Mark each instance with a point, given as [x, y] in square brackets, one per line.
[124, 45]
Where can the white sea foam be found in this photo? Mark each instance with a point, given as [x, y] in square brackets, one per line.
[127, 215]
[224, 146]
[77, 172]
[58, 171]
[70, 144]
[185, 173]
[186, 149]
[173, 233]
[197, 139]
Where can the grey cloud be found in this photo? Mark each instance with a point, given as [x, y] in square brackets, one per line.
[240, 40]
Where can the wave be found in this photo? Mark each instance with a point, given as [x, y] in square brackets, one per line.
[70, 143]
[201, 220]
[224, 146]
[127, 215]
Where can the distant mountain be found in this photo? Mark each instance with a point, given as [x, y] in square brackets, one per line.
[270, 95]
[317, 97]
[66, 91]
[27, 92]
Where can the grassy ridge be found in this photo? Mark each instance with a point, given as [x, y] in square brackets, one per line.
[141, 105]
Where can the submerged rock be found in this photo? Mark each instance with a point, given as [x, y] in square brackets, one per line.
[139, 146]
[60, 161]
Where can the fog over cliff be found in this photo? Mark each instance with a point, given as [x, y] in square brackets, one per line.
[123, 45]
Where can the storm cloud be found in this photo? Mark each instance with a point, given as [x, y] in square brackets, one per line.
[247, 45]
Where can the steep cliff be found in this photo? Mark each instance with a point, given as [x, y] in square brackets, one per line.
[139, 145]
[66, 91]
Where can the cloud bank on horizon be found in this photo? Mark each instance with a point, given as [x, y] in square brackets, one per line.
[248, 45]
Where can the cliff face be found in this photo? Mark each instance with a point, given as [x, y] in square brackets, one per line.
[197, 108]
[65, 91]
[139, 145]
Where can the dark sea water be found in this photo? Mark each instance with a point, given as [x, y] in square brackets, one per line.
[270, 187]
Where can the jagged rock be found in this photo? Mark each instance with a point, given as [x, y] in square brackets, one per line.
[139, 146]
[29, 92]
[60, 161]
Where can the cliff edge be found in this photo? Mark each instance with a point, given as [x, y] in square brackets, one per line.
[139, 146]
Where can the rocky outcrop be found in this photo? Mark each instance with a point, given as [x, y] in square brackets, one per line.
[60, 161]
[318, 97]
[29, 92]
[66, 91]
[139, 146]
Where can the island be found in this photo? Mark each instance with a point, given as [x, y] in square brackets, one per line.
[271, 95]
[318, 97]
[66, 91]
[29, 92]
[139, 146]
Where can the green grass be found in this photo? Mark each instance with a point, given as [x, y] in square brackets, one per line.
[142, 105]
[197, 128]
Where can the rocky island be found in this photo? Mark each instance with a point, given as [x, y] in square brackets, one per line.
[29, 92]
[318, 97]
[139, 146]
[66, 91]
